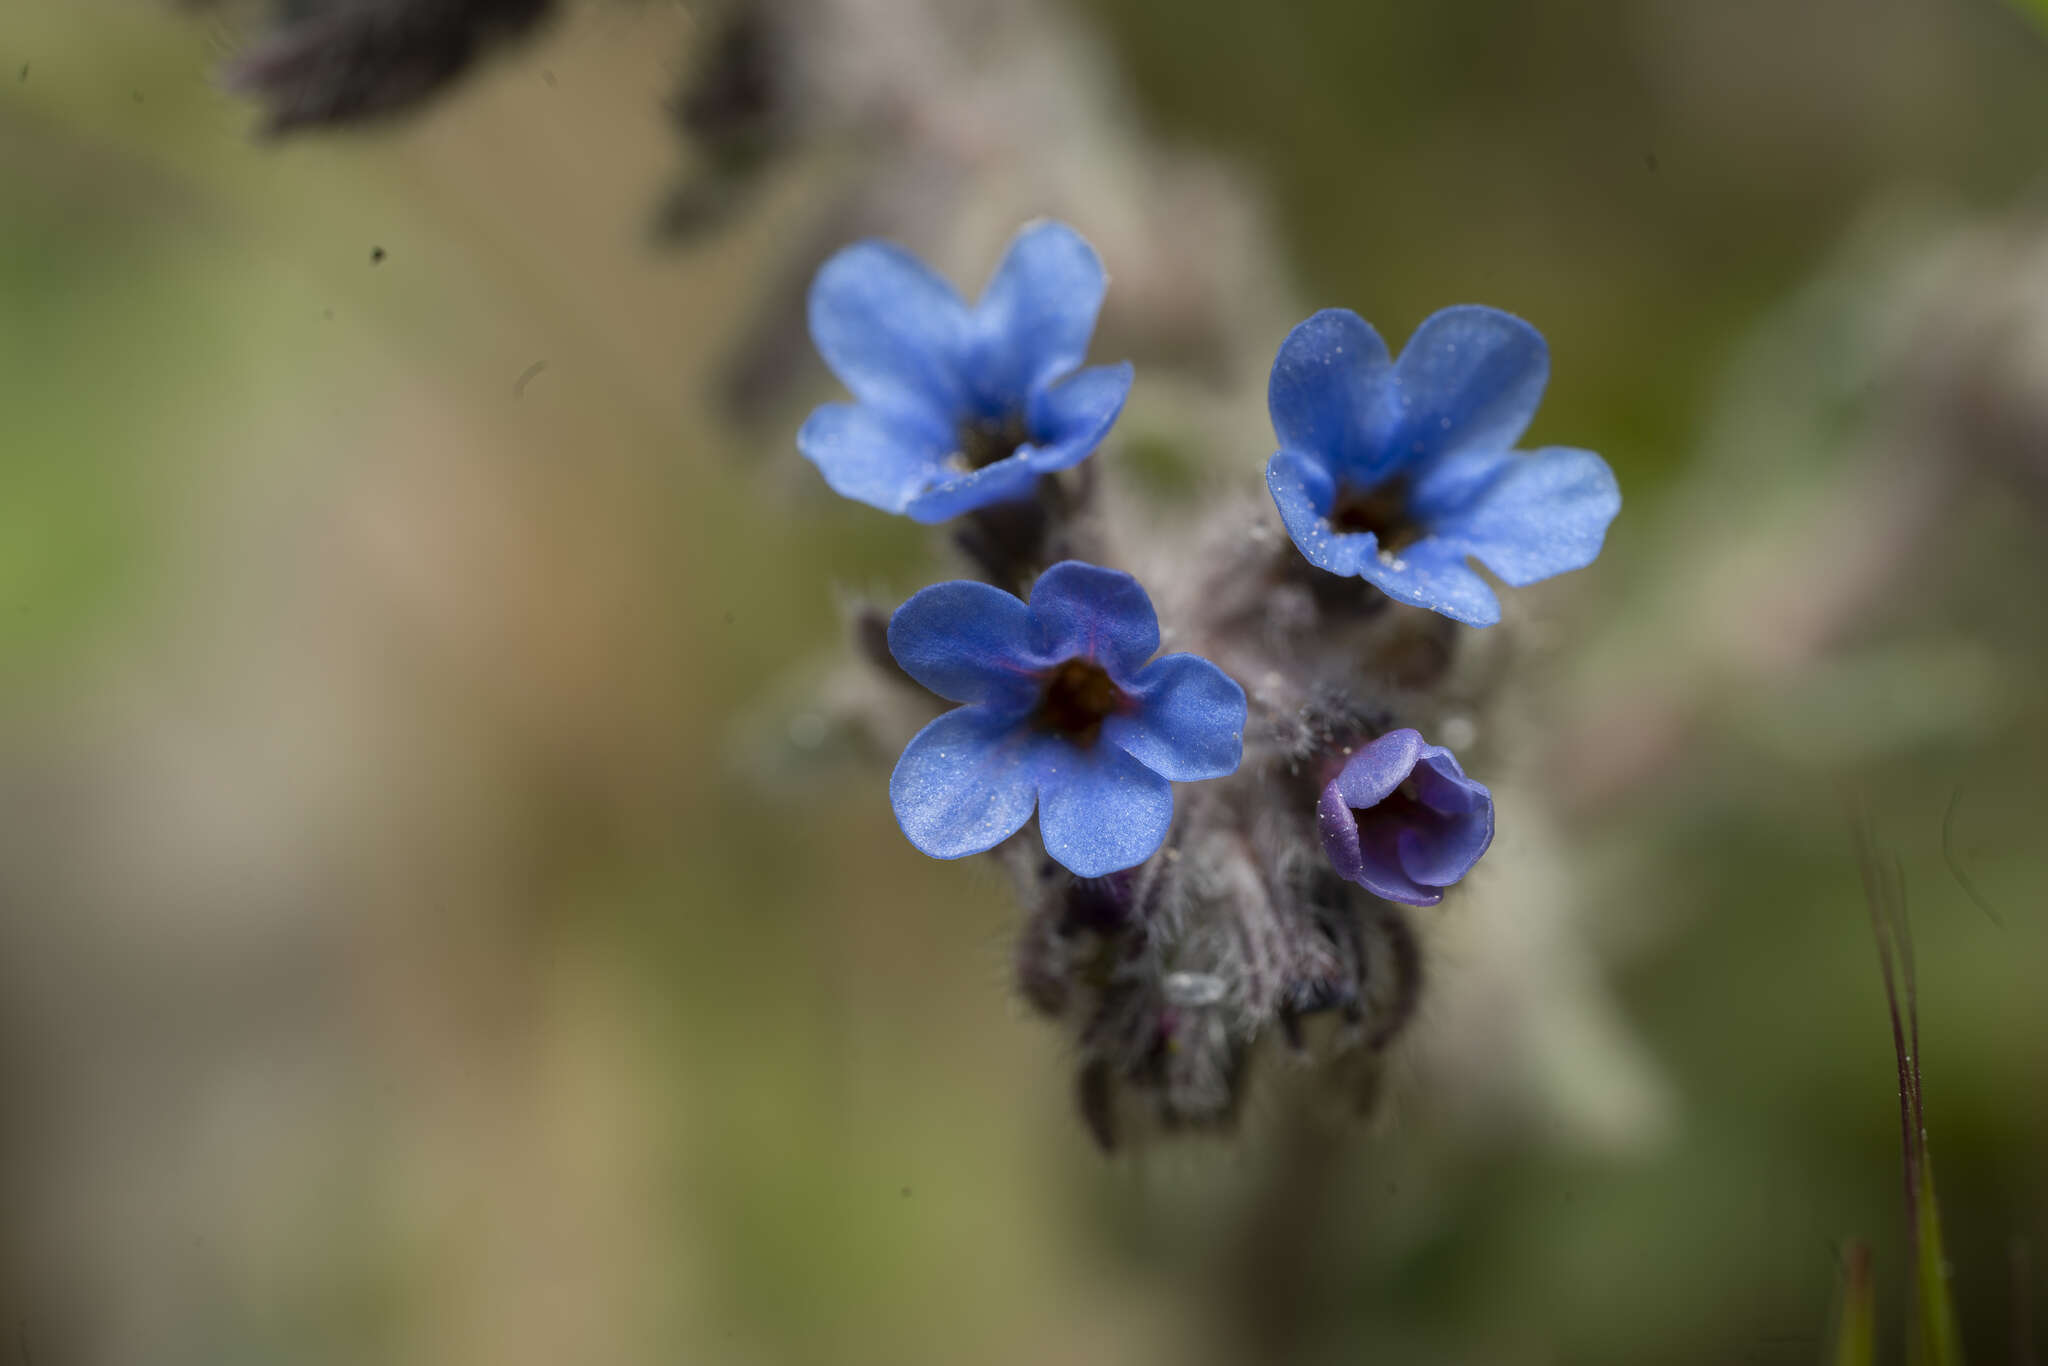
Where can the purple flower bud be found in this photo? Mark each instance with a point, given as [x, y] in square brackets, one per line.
[1403, 821]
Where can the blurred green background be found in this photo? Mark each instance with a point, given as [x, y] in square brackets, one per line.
[401, 963]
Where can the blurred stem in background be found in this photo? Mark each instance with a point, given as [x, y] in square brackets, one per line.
[1934, 1337]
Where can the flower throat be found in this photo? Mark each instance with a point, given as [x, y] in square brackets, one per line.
[984, 441]
[1078, 697]
[1382, 510]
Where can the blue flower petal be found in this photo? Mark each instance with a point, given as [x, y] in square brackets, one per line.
[968, 642]
[1007, 480]
[1429, 574]
[871, 457]
[1190, 720]
[1449, 485]
[893, 332]
[1388, 882]
[1351, 858]
[1099, 614]
[1329, 394]
[1100, 810]
[1034, 320]
[1370, 776]
[1439, 855]
[1534, 516]
[1304, 492]
[1068, 420]
[1434, 575]
[966, 782]
[1470, 379]
[1442, 785]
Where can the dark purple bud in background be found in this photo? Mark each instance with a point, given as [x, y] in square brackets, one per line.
[345, 62]
[734, 108]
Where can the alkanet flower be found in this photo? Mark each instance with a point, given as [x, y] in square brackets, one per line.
[959, 407]
[1403, 821]
[1397, 470]
[1063, 712]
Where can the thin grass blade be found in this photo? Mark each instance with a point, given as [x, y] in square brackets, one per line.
[1856, 1325]
[1941, 1339]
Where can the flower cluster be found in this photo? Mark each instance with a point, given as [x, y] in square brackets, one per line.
[1174, 938]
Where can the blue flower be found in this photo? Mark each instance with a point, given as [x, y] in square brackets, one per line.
[959, 408]
[1403, 821]
[1063, 712]
[1396, 471]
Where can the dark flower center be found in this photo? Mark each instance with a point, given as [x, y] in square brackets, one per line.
[1077, 697]
[1380, 827]
[1382, 510]
[1401, 809]
[985, 440]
